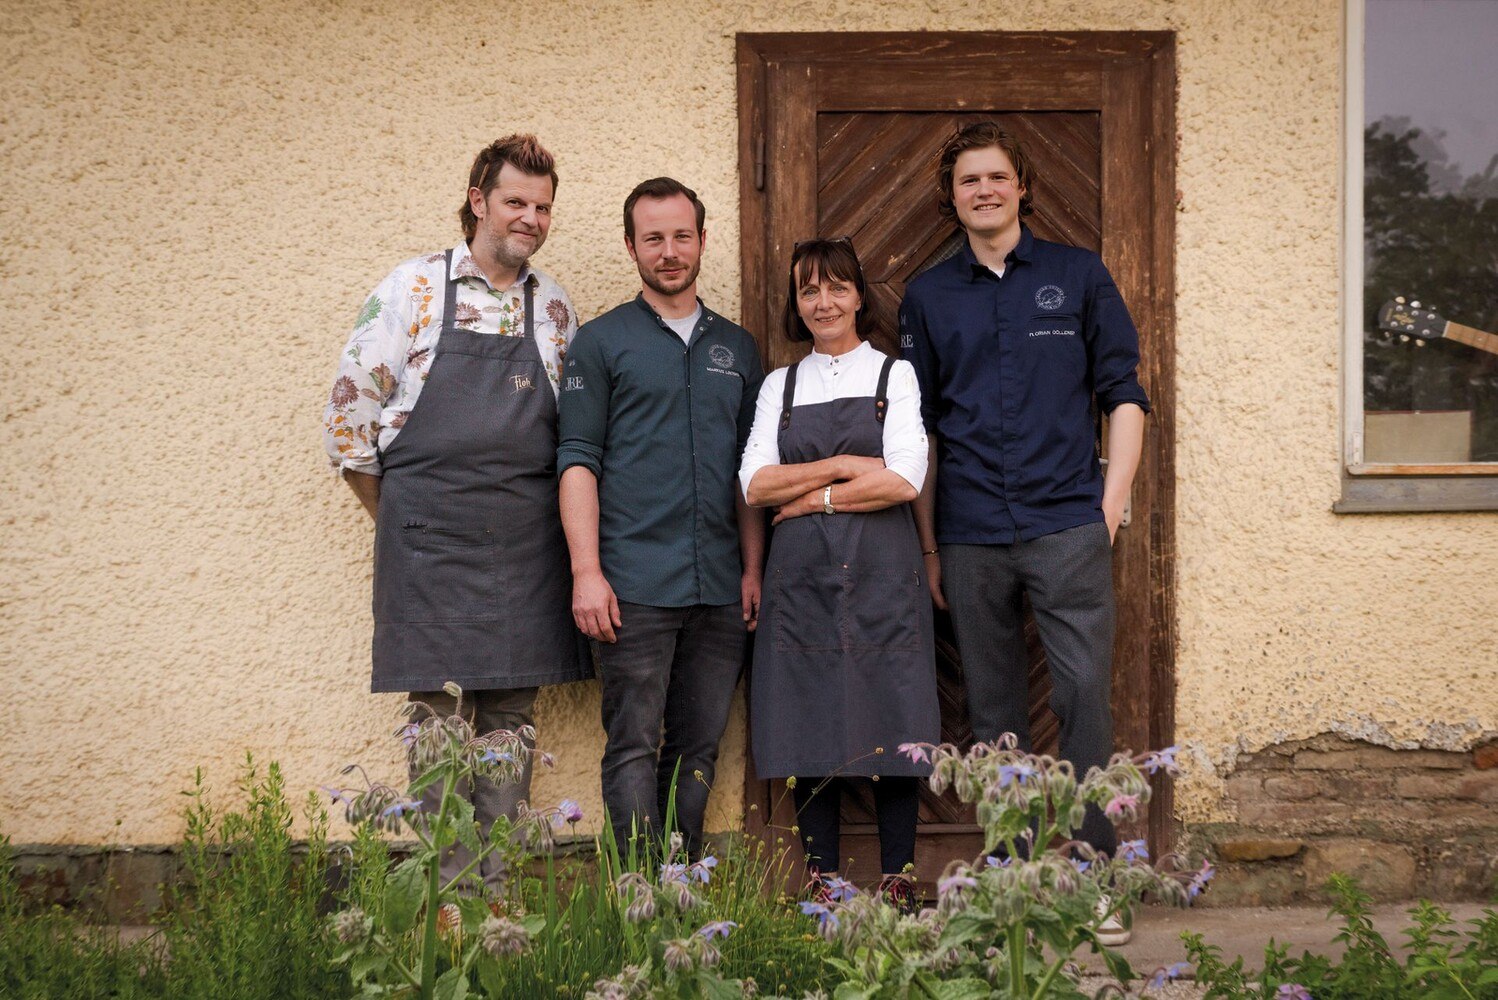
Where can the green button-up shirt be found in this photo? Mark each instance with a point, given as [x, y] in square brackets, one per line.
[662, 425]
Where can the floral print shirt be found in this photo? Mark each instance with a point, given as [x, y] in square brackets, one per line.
[382, 370]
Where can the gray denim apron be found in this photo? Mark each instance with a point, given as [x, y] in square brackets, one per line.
[471, 580]
[844, 661]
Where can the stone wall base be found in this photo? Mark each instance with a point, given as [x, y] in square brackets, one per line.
[1405, 823]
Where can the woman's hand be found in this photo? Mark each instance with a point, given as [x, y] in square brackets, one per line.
[809, 502]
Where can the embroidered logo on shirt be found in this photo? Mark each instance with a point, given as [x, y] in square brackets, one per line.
[573, 382]
[720, 356]
[1050, 297]
[522, 382]
[907, 340]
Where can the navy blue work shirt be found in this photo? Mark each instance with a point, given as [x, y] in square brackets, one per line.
[661, 424]
[1007, 368]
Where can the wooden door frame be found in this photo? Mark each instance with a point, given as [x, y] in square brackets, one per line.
[1129, 77]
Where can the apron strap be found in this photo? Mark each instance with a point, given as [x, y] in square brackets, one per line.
[790, 396]
[450, 298]
[449, 292]
[881, 394]
[530, 299]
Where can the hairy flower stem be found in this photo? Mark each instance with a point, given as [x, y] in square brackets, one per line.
[1043, 989]
[1016, 956]
[434, 897]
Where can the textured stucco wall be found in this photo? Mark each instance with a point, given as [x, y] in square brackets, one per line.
[199, 196]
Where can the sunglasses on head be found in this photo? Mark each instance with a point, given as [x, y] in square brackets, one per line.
[796, 247]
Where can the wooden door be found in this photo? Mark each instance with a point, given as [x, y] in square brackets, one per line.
[838, 136]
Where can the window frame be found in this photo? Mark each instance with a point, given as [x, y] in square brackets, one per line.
[1379, 487]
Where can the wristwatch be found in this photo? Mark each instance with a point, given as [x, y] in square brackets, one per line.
[827, 507]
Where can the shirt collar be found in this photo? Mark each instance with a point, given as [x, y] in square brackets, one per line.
[464, 266]
[1023, 251]
[704, 312]
[826, 360]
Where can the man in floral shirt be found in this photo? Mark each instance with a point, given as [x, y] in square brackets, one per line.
[471, 569]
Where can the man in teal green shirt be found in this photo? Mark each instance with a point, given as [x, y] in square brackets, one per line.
[657, 400]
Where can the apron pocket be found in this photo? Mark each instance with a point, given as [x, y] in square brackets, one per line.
[807, 599]
[450, 575]
[885, 609]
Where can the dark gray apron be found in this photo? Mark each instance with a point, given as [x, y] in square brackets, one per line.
[471, 579]
[844, 661]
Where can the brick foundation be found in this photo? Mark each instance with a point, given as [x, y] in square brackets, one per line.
[1406, 823]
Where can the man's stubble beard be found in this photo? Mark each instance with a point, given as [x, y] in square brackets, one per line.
[660, 288]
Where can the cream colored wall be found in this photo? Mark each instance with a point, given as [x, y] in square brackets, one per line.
[198, 198]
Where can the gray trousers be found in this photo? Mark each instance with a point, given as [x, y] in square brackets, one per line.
[508, 708]
[1069, 577]
[667, 687]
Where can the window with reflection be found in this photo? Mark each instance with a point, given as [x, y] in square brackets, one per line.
[1430, 235]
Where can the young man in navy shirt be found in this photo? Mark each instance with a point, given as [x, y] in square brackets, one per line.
[1012, 338]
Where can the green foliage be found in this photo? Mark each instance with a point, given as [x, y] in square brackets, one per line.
[1009, 926]
[1443, 964]
[46, 955]
[244, 923]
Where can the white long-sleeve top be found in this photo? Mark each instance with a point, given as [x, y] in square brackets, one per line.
[822, 378]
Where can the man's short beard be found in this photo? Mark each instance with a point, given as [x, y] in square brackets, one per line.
[655, 285]
[509, 256]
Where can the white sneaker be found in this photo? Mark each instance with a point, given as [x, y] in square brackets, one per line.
[1112, 928]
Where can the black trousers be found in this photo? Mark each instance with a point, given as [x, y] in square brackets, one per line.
[667, 689]
[1069, 577]
[818, 813]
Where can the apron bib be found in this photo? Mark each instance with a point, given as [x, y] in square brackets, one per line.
[844, 657]
[471, 577]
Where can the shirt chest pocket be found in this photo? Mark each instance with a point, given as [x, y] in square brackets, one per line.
[1053, 344]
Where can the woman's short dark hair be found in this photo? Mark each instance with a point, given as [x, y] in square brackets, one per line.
[819, 259]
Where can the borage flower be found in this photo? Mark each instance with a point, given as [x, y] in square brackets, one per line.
[1163, 760]
[839, 890]
[718, 928]
[955, 883]
[916, 752]
[1199, 880]
[1133, 850]
[1016, 773]
[702, 870]
[1173, 971]
[569, 812]
[993, 861]
[1292, 991]
[825, 917]
[1120, 805]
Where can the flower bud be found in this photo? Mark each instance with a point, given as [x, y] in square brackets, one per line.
[502, 936]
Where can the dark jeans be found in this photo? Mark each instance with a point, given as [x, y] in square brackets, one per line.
[487, 710]
[1069, 577]
[896, 802]
[672, 671]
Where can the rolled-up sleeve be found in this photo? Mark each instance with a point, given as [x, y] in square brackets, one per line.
[915, 348]
[368, 375]
[583, 420]
[763, 447]
[1112, 344]
[905, 450]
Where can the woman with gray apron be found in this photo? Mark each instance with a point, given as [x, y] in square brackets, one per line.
[471, 579]
[844, 665]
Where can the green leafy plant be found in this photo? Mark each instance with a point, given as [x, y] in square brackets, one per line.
[1008, 923]
[47, 954]
[1444, 963]
[430, 935]
[245, 920]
